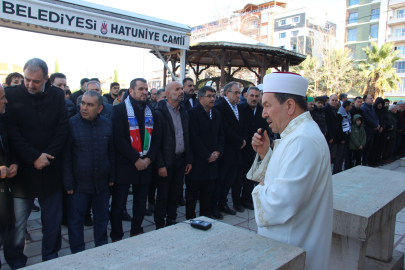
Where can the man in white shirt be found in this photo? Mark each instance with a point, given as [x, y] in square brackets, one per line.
[294, 201]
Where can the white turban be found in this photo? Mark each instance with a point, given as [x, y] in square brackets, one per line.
[285, 83]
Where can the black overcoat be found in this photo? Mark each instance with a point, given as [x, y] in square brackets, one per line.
[36, 124]
[206, 137]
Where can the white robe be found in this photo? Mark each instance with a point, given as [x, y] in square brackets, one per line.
[295, 205]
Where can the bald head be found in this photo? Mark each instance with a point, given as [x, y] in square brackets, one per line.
[333, 100]
[174, 93]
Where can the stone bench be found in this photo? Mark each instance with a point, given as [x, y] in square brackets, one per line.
[183, 247]
[365, 204]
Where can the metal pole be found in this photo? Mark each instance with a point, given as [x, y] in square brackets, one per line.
[182, 64]
[164, 62]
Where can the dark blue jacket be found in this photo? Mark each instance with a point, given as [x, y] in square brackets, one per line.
[126, 155]
[89, 157]
[370, 118]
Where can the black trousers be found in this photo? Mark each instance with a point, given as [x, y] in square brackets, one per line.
[153, 185]
[227, 177]
[198, 190]
[118, 204]
[356, 158]
[367, 148]
[242, 188]
[376, 151]
[168, 193]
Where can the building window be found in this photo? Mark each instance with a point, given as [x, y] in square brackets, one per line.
[311, 33]
[294, 47]
[352, 50]
[283, 22]
[374, 31]
[400, 32]
[401, 86]
[282, 35]
[375, 14]
[353, 2]
[265, 17]
[400, 13]
[400, 67]
[401, 50]
[353, 17]
[352, 35]
[296, 19]
[327, 25]
[294, 33]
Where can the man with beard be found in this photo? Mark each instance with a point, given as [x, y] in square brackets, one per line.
[372, 125]
[73, 97]
[190, 99]
[251, 112]
[136, 142]
[174, 158]
[319, 115]
[153, 93]
[332, 123]
[310, 104]
[114, 89]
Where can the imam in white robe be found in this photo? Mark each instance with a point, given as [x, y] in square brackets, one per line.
[295, 205]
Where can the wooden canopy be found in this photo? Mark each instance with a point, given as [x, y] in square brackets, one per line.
[228, 49]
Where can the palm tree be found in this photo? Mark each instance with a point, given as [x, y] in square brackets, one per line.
[379, 69]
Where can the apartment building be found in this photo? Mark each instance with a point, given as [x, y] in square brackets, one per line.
[272, 23]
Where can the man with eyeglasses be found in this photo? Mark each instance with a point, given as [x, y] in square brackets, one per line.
[207, 140]
[251, 112]
[235, 140]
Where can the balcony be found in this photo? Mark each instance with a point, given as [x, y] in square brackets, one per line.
[395, 18]
[394, 4]
[396, 37]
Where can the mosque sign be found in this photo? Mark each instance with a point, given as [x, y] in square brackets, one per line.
[39, 16]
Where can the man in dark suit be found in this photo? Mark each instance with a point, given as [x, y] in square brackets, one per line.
[207, 140]
[332, 124]
[235, 140]
[7, 217]
[174, 158]
[73, 97]
[190, 99]
[251, 112]
[37, 126]
[136, 142]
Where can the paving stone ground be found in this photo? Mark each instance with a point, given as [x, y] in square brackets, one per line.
[243, 220]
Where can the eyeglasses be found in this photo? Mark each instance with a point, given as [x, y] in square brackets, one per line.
[210, 96]
[235, 92]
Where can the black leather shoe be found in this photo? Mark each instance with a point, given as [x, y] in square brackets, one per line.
[148, 212]
[35, 208]
[238, 207]
[217, 215]
[227, 210]
[170, 223]
[182, 202]
[126, 216]
[248, 205]
[88, 222]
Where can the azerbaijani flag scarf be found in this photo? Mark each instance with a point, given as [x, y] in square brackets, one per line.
[134, 132]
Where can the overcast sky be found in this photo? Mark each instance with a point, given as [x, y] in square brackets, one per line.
[78, 58]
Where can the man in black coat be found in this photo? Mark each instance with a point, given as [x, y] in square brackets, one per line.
[88, 171]
[59, 80]
[174, 158]
[333, 125]
[8, 169]
[207, 140]
[37, 125]
[358, 101]
[73, 97]
[114, 89]
[251, 112]
[190, 99]
[235, 140]
[136, 141]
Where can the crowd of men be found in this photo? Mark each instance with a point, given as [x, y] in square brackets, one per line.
[77, 152]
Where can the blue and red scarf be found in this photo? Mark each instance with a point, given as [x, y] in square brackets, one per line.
[134, 131]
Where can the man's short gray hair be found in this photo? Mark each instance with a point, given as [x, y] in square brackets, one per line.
[92, 82]
[35, 64]
[228, 86]
[159, 92]
[93, 93]
[252, 88]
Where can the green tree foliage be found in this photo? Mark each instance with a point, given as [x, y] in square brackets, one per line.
[56, 66]
[379, 69]
[116, 75]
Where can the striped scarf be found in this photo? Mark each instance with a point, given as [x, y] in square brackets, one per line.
[134, 131]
